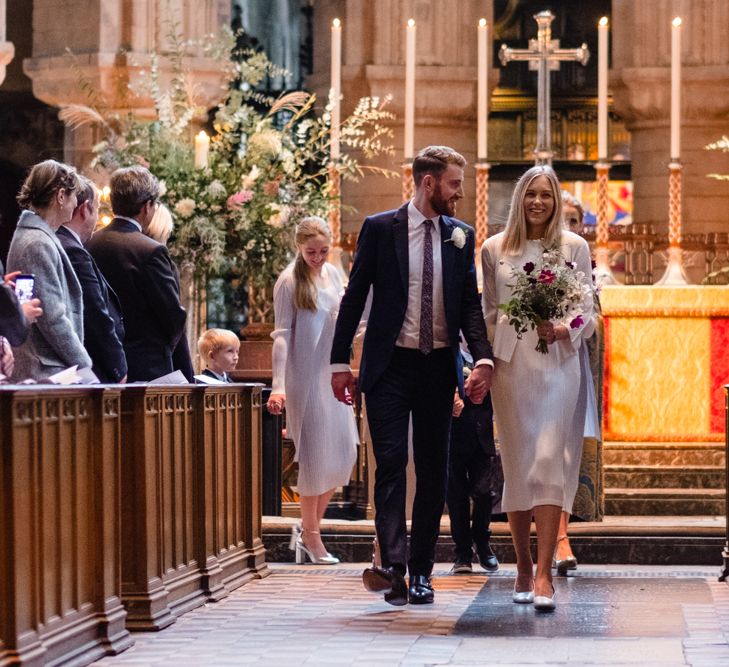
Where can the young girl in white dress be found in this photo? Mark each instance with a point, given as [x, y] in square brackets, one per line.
[306, 302]
[539, 402]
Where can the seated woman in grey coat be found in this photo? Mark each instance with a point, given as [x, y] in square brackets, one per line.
[55, 341]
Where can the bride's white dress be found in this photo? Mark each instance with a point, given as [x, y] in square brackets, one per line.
[322, 428]
[539, 401]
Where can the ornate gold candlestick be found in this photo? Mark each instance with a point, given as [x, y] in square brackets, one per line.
[407, 181]
[675, 273]
[603, 272]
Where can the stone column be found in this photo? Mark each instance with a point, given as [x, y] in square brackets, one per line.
[640, 81]
[7, 51]
[373, 55]
[111, 43]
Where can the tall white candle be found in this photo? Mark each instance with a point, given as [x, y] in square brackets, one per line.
[336, 87]
[676, 89]
[409, 89]
[602, 89]
[483, 70]
[202, 145]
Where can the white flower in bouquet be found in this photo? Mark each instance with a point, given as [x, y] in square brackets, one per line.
[162, 188]
[264, 145]
[249, 179]
[185, 207]
[217, 190]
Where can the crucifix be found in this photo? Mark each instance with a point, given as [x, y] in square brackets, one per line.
[545, 56]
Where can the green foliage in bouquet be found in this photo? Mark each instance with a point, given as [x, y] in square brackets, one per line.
[267, 162]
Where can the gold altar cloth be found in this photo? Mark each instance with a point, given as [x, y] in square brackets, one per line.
[665, 362]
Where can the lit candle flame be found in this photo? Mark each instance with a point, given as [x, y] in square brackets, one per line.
[482, 23]
[604, 20]
[677, 21]
[336, 23]
[411, 23]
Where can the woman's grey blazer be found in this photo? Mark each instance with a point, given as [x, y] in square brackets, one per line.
[56, 338]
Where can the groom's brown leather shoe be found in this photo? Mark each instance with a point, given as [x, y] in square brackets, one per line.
[386, 580]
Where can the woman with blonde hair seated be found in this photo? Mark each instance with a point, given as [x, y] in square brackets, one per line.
[161, 225]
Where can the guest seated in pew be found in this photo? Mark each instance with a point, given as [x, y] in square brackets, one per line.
[55, 342]
[103, 323]
[218, 349]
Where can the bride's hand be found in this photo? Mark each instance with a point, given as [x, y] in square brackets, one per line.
[549, 333]
[276, 403]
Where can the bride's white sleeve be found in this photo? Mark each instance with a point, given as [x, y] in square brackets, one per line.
[489, 297]
[283, 306]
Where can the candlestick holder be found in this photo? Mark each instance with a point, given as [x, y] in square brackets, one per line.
[675, 273]
[603, 272]
[335, 208]
[407, 181]
[482, 203]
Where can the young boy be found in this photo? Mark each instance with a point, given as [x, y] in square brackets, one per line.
[472, 455]
[218, 350]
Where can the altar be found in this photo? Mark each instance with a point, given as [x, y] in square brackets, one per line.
[666, 361]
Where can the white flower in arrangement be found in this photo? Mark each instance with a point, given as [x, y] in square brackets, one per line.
[162, 188]
[458, 237]
[216, 189]
[251, 178]
[185, 207]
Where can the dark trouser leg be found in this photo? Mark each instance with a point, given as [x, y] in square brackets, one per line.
[431, 430]
[388, 416]
[459, 501]
[479, 474]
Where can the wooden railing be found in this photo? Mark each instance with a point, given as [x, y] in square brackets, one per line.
[121, 508]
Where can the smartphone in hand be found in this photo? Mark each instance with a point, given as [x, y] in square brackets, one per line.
[24, 287]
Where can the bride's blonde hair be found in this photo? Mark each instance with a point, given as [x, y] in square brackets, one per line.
[304, 288]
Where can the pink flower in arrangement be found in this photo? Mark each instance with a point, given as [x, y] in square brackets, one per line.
[271, 188]
[237, 200]
[577, 322]
[546, 277]
[528, 267]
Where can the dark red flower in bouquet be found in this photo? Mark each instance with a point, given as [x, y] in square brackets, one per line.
[528, 267]
[577, 322]
[546, 277]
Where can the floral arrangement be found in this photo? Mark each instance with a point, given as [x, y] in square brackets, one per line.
[549, 289]
[266, 167]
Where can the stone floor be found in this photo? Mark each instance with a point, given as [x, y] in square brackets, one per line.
[652, 616]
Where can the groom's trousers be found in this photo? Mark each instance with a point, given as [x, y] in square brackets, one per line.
[421, 385]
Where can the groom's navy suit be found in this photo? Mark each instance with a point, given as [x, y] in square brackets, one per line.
[399, 381]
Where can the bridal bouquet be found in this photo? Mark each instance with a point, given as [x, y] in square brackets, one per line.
[549, 289]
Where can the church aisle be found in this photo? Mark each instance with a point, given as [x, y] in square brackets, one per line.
[307, 615]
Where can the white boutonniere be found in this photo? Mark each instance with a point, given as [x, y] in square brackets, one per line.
[458, 238]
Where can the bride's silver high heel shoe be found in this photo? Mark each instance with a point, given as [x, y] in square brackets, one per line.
[302, 552]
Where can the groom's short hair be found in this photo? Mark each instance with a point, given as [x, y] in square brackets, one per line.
[434, 160]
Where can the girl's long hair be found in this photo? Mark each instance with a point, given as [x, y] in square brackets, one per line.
[515, 236]
[304, 288]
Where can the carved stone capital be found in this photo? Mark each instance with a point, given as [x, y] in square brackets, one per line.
[644, 94]
[117, 78]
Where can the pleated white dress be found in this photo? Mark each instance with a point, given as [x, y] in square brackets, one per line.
[539, 401]
[322, 428]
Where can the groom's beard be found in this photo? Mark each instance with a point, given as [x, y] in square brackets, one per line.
[440, 204]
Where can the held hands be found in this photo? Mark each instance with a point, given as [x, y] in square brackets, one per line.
[478, 383]
[458, 405]
[276, 403]
[344, 385]
[549, 333]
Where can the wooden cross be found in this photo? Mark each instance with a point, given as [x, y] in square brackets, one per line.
[543, 55]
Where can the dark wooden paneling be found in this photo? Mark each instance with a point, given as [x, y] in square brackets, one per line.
[60, 525]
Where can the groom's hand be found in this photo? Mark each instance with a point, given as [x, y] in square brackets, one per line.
[478, 383]
[344, 386]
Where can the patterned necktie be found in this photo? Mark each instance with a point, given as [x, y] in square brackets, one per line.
[426, 298]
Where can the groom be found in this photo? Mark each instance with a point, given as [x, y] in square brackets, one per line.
[418, 261]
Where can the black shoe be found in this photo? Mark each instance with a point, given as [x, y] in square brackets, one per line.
[420, 591]
[488, 560]
[462, 567]
[386, 580]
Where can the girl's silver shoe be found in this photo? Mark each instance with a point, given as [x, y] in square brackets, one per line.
[295, 534]
[302, 553]
[544, 602]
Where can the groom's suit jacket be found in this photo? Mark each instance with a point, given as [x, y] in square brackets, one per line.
[381, 262]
